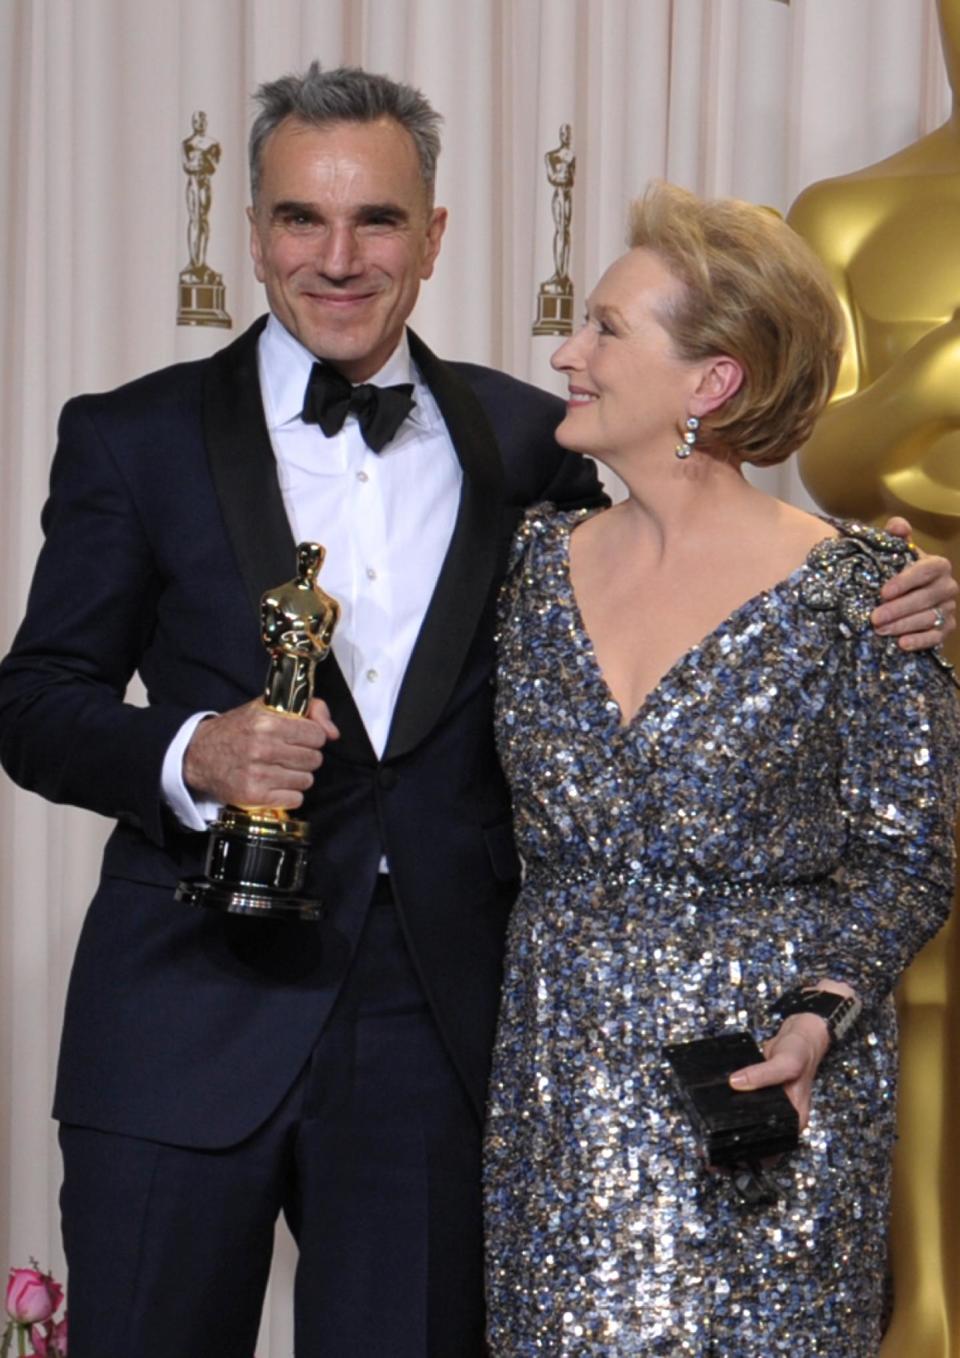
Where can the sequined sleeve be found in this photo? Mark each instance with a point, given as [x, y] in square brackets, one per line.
[521, 573]
[511, 591]
[898, 723]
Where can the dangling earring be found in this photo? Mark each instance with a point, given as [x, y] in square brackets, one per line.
[684, 449]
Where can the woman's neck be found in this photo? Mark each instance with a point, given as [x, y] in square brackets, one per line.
[670, 501]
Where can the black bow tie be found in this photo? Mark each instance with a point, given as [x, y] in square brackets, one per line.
[380, 411]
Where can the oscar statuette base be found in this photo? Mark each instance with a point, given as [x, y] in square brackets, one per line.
[203, 301]
[554, 308]
[255, 865]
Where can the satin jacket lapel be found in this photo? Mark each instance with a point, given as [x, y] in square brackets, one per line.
[463, 585]
[244, 473]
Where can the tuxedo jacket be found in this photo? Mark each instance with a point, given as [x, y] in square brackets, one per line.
[164, 526]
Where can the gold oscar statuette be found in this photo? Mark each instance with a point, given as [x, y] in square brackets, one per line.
[257, 855]
[202, 295]
[555, 297]
[889, 443]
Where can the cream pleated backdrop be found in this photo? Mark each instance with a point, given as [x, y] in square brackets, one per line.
[748, 97]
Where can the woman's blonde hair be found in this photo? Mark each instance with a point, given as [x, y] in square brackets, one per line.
[752, 289]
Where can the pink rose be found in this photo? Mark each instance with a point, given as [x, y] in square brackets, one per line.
[50, 1340]
[32, 1296]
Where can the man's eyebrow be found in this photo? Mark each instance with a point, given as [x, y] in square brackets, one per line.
[364, 212]
[290, 206]
[367, 210]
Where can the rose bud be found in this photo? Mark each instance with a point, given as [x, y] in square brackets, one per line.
[32, 1296]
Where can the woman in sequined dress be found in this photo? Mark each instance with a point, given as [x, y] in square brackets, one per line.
[726, 786]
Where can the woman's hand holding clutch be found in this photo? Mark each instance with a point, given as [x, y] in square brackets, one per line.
[792, 1057]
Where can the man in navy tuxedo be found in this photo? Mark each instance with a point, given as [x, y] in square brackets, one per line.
[216, 1071]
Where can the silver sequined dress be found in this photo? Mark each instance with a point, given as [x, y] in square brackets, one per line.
[781, 808]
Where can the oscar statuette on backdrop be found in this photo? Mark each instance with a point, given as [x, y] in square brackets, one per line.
[201, 294]
[555, 296]
[257, 855]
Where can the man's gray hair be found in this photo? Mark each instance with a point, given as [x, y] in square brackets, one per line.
[345, 95]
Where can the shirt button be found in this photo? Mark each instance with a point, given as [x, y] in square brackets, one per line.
[362, 476]
[372, 676]
[371, 573]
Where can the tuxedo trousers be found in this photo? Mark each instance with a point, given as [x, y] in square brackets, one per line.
[374, 1159]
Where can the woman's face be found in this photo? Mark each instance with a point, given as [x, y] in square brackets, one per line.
[628, 390]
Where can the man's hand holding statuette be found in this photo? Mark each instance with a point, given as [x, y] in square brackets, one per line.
[252, 756]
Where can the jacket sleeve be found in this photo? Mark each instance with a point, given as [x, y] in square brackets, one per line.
[524, 420]
[575, 484]
[66, 730]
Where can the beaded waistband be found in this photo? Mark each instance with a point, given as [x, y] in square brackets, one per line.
[607, 878]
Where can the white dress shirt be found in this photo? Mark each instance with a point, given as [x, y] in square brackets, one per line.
[385, 518]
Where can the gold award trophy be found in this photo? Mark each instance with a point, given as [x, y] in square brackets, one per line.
[257, 855]
[202, 295]
[889, 443]
[555, 298]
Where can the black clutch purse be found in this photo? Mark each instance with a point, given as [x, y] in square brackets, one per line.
[733, 1127]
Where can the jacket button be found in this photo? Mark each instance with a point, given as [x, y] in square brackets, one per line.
[387, 778]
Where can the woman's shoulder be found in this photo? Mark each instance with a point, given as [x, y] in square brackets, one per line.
[843, 576]
[844, 573]
[542, 528]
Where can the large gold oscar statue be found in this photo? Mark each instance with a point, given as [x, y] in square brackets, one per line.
[889, 443]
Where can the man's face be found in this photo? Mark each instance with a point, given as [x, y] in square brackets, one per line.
[341, 236]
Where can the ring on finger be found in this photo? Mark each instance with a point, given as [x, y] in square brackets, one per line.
[939, 621]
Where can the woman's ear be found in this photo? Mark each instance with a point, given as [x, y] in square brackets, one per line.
[721, 377]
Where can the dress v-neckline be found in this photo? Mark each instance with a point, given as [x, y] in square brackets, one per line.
[611, 702]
